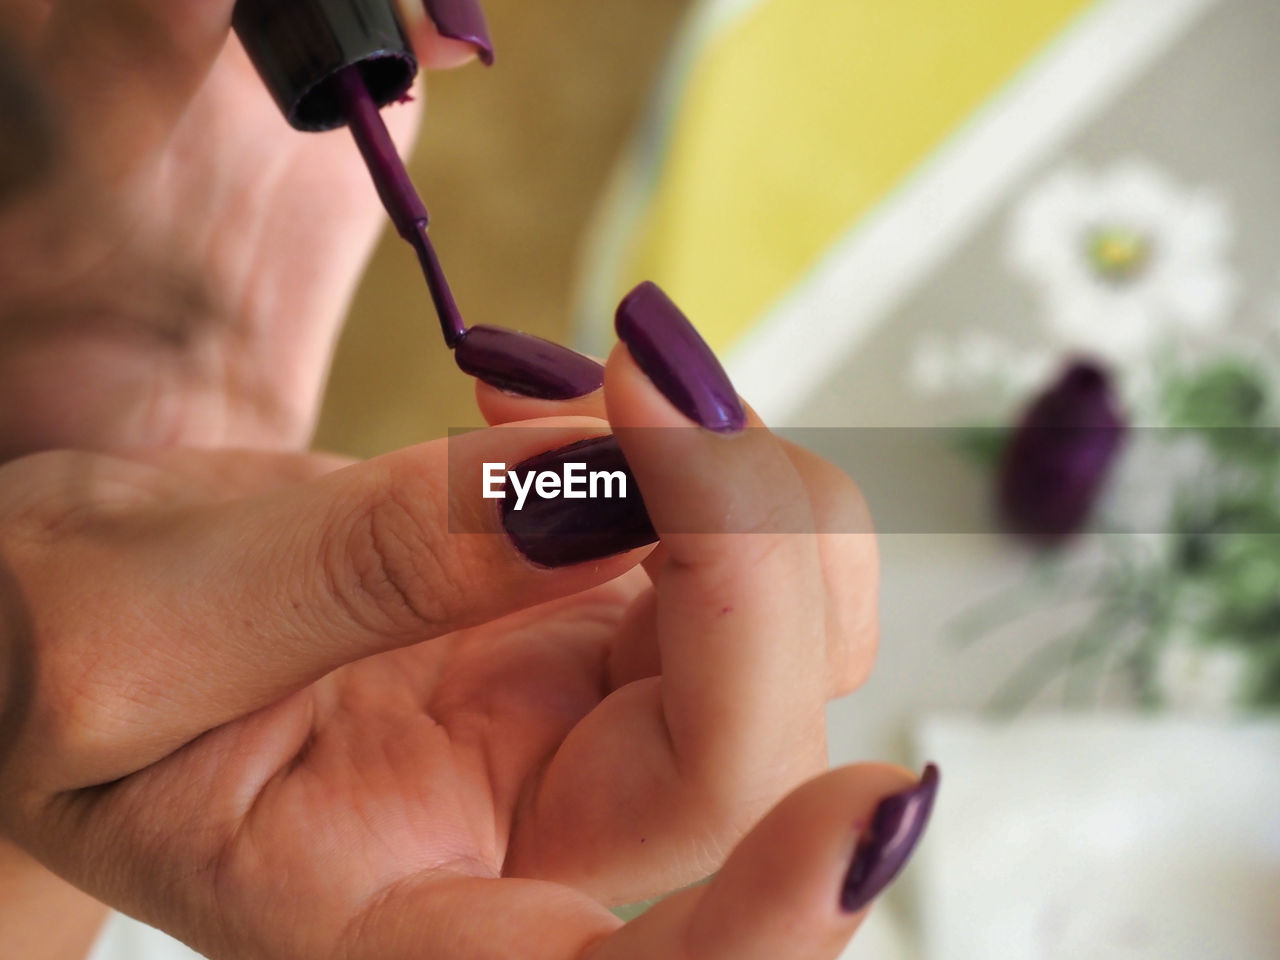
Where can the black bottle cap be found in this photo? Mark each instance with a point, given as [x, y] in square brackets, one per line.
[297, 45]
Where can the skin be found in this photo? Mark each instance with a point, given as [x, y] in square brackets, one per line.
[267, 701]
[174, 259]
[396, 715]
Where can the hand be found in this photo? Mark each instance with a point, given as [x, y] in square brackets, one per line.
[281, 711]
[180, 273]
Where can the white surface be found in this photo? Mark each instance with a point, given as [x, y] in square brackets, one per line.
[1104, 838]
[126, 939]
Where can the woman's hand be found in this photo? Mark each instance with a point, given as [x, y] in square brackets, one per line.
[180, 272]
[280, 710]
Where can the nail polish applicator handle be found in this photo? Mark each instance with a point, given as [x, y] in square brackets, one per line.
[334, 63]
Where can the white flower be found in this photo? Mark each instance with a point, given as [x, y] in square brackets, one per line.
[1125, 259]
[976, 361]
[1201, 678]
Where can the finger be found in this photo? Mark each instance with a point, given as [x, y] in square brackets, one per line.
[782, 895]
[231, 606]
[129, 68]
[449, 34]
[125, 71]
[850, 571]
[850, 560]
[737, 716]
[501, 406]
[740, 598]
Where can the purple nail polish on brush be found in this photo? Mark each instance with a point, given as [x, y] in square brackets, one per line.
[403, 203]
[560, 532]
[665, 345]
[888, 842]
[463, 20]
[527, 365]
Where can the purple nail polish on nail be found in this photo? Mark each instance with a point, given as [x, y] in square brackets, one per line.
[665, 345]
[527, 365]
[463, 20]
[884, 849]
[554, 531]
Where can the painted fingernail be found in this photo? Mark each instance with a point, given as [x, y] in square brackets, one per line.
[527, 365]
[555, 529]
[665, 345]
[888, 842]
[463, 20]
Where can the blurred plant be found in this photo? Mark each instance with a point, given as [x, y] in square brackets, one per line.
[1128, 265]
[1194, 624]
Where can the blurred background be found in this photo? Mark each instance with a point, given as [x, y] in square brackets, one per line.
[512, 163]
[1014, 265]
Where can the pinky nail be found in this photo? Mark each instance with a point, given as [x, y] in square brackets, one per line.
[895, 830]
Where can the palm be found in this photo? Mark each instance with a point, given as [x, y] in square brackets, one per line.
[216, 229]
[438, 758]
[286, 221]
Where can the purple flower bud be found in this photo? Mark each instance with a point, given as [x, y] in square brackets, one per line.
[1059, 457]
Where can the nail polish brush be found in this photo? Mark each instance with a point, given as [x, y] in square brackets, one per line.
[399, 196]
[334, 63]
[506, 359]
[331, 63]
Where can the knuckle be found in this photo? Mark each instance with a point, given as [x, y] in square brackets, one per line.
[851, 564]
[75, 709]
[69, 728]
[393, 571]
[853, 625]
[42, 719]
[840, 504]
[859, 657]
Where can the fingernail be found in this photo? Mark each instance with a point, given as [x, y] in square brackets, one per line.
[556, 531]
[888, 842]
[665, 345]
[463, 20]
[527, 365]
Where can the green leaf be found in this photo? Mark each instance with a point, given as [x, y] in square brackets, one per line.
[982, 445]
